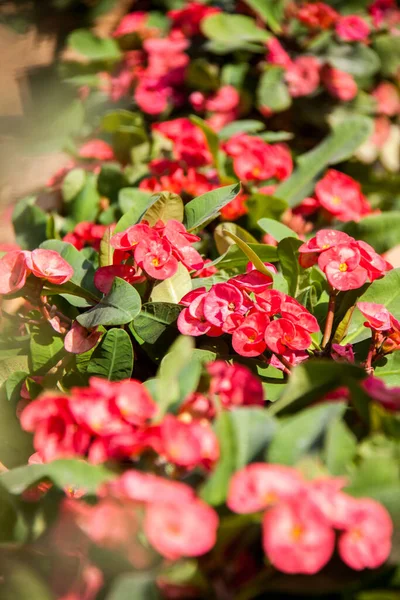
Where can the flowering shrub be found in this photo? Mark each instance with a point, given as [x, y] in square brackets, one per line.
[199, 355]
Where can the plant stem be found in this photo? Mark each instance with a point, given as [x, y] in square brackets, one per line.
[368, 363]
[329, 319]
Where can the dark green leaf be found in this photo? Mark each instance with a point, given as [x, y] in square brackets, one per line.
[230, 32]
[121, 305]
[14, 383]
[29, 222]
[388, 369]
[15, 444]
[81, 196]
[253, 428]
[289, 261]
[262, 206]
[46, 349]
[113, 357]
[154, 319]
[387, 47]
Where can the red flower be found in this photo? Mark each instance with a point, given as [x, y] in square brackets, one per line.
[296, 538]
[188, 19]
[317, 15]
[235, 385]
[146, 487]
[378, 317]
[341, 196]
[188, 444]
[339, 84]
[96, 150]
[276, 54]
[86, 234]
[282, 335]
[341, 266]
[248, 338]
[13, 271]
[302, 76]
[367, 541]
[254, 159]
[222, 300]
[325, 239]
[352, 28]
[49, 265]
[131, 23]
[235, 209]
[181, 241]
[186, 530]
[192, 320]
[189, 141]
[259, 485]
[104, 276]
[380, 10]
[207, 271]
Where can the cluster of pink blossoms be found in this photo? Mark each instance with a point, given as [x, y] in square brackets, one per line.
[270, 320]
[117, 519]
[17, 265]
[301, 518]
[156, 250]
[346, 262]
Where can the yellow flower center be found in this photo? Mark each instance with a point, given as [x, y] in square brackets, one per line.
[343, 267]
[155, 262]
[336, 200]
[297, 532]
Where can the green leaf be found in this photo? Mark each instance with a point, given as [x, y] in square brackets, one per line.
[223, 243]
[215, 489]
[202, 209]
[232, 31]
[298, 434]
[270, 11]
[133, 203]
[278, 230]
[106, 250]
[172, 374]
[210, 135]
[388, 369]
[63, 473]
[113, 357]
[167, 206]
[272, 91]
[241, 126]
[120, 306]
[30, 223]
[340, 447]
[201, 75]
[15, 444]
[357, 59]
[134, 586]
[249, 252]
[338, 146]
[262, 206]
[46, 350]
[384, 291]
[155, 319]
[115, 120]
[381, 231]
[289, 261]
[312, 380]
[84, 204]
[173, 288]
[14, 382]
[111, 181]
[72, 184]
[387, 47]
[235, 258]
[253, 428]
[94, 48]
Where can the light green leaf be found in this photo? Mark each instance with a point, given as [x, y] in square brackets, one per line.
[253, 428]
[72, 184]
[223, 243]
[113, 357]
[106, 250]
[30, 223]
[202, 209]
[249, 252]
[272, 91]
[340, 447]
[357, 59]
[121, 305]
[338, 146]
[289, 261]
[46, 349]
[278, 230]
[210, 135]
[133, 203]
[388, 369]
[235, 258]
[14, 381]
[298, 434]
[241, 126]
[232, 31]
[270, 11]
[172, 374]
[381, 231]
[87, 44]
[167, 206]
[387, 47]
[134, 586]
[173, 288]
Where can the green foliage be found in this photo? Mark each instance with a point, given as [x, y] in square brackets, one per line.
[93, 48]
[202, 209]
[30, 223]
[231, 32]
[113, 357]
[120, 306]
[272, 91]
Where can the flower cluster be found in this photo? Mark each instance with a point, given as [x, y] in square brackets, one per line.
[156, 250]
[270, 320]
[85, 234]
[113, 421]
[17, 265]
[301, 517]
[347, 263]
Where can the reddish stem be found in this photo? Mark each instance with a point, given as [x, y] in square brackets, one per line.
[329, 319]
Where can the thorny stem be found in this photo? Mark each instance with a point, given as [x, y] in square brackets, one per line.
[329, 319]
[286, 363]
[49, 311]
[368, 363]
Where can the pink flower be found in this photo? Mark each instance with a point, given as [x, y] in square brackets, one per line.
[296, 538]
[317, 15]
[302, 76]
[380, 10]
[226, 99]
[378, 317]
[146, 487]
[131, 23]
[352, 28]
[342, 353]
[155, 258]
[86, 234]
[325, 239]
[253, 281]
[235, 385]
[96, 150]
[276, 54]
[176, 531]
[282, 335]
[188, 444]
[341, 196]
[49, 265]
[79, 340]
[13, 271]
[367, 541]
[389, 398]
[222, 300]
[341, 265]
[260, 485]
[188, 19]
[339, 84]
[248, 338]
[180, 240]
[387, 98]
[189, 142]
